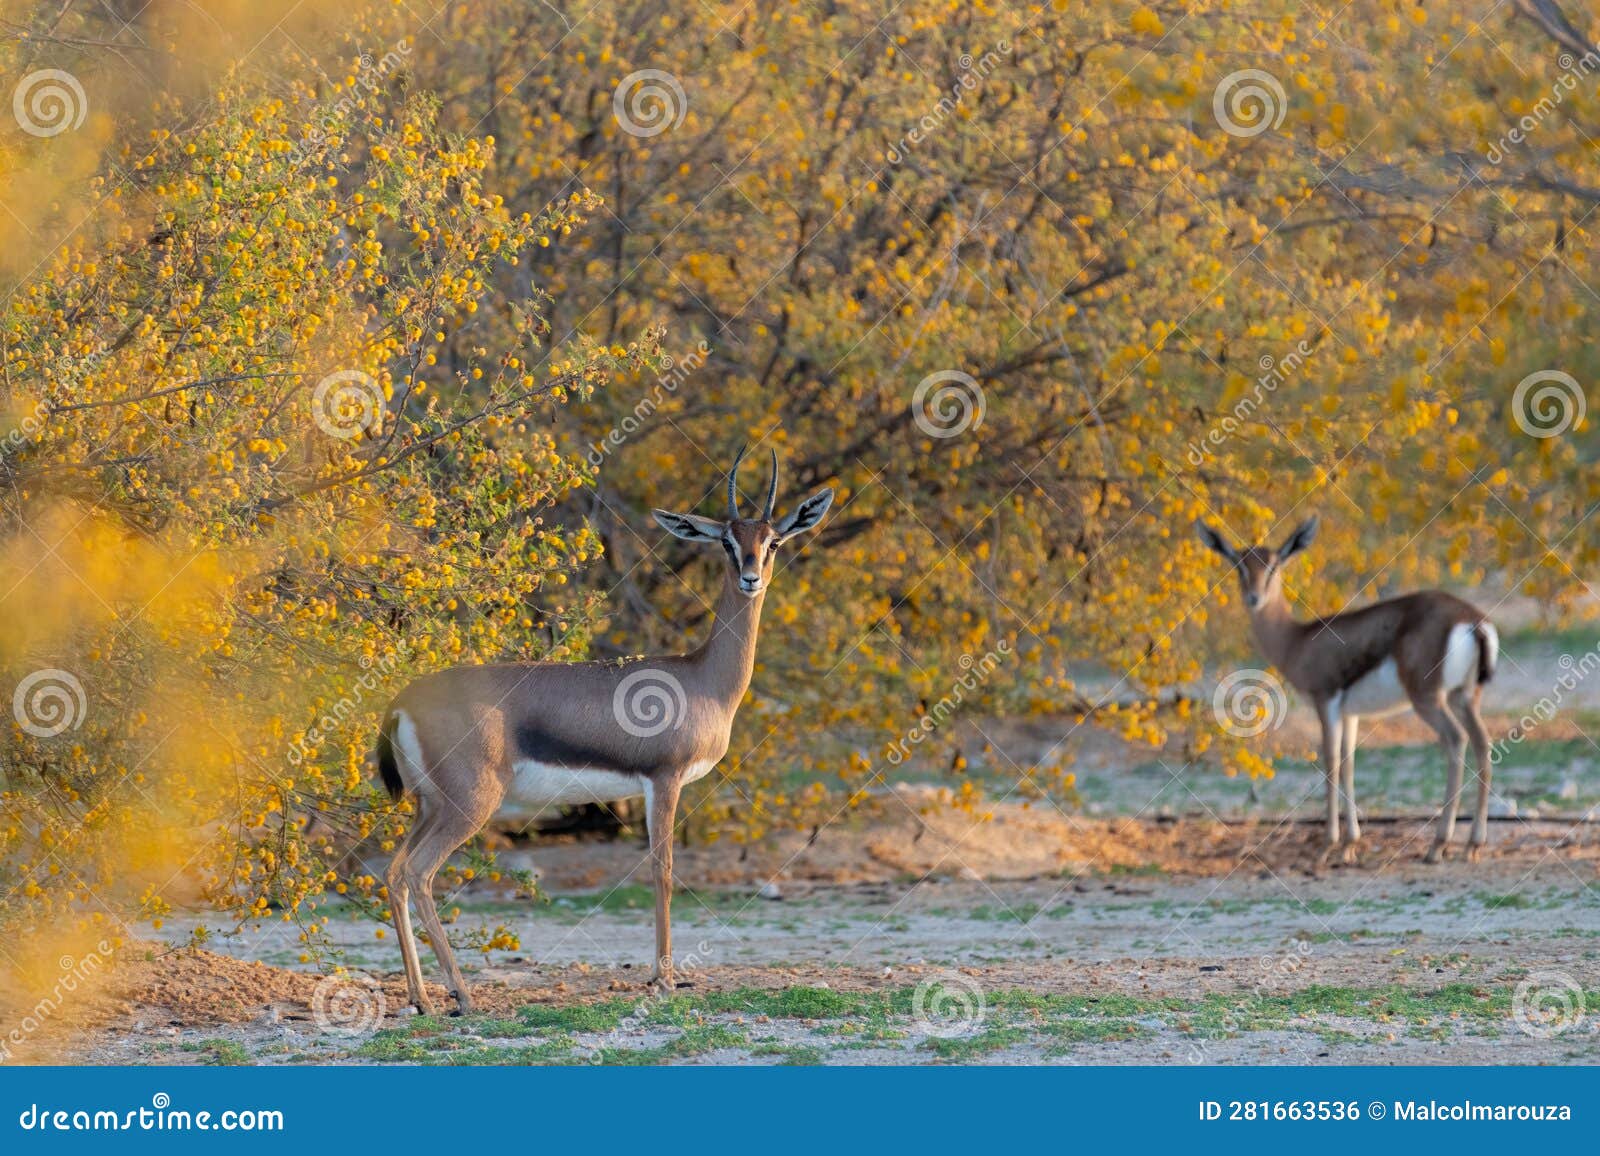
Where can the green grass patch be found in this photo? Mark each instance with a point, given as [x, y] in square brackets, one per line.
[222, 1053]
[792, 1055]
[981, 1043]
[692, 1042]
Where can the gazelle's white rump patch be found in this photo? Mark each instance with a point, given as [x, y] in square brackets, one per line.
[1461, 655]
[413, 771]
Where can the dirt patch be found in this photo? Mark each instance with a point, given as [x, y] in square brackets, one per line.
[908, 834]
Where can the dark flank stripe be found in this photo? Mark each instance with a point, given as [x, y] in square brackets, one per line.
[536, 743]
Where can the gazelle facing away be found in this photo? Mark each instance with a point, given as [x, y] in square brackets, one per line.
[1430, 651]
[475, 740]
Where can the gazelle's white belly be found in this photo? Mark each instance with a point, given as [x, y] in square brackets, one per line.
[535, 785]
[1376, 693]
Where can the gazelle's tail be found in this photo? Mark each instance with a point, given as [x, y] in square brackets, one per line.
[388, 767]
[1488, 650]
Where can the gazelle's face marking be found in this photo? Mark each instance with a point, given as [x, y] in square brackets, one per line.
[750, 545]
[1260, 572]
[751, 548]
[1260, 568]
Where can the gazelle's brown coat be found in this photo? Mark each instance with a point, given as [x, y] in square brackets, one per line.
[1430, 651]
[476, 740]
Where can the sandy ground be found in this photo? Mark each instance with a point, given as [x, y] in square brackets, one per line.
[1177, 917]
[1129, 942]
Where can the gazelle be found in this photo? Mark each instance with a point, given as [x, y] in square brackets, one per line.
[1430, 651]
[475, 740]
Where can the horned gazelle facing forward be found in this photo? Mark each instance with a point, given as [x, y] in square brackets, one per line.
[1430, 651]
[474, 740]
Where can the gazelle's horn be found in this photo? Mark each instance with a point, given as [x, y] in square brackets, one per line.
[733, 485]
[772, 489]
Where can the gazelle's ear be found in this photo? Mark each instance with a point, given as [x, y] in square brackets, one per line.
[1299, 540]
[806, 515]
[1216, 542]
[689, 527]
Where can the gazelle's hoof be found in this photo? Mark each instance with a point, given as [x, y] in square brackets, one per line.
[424, 1008]
[663, 983]
[1474, 852]
[1439, 852]
[1351, 853]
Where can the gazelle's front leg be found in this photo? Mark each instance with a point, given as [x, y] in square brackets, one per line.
[1332, 733]
[661, 812]
[1347, 774]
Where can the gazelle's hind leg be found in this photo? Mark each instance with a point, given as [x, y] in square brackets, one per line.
[443, 827]
[1332, 730]
[1465, 703]
[1347, 772]
[1453, 742]
[400, 907]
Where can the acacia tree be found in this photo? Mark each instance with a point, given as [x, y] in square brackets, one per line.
[1035, 287]
[279, 439]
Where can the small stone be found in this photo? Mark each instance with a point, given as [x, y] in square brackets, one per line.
[770, 890]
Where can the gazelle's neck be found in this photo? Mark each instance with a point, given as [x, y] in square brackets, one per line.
[1274, 629]
[728, 658]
